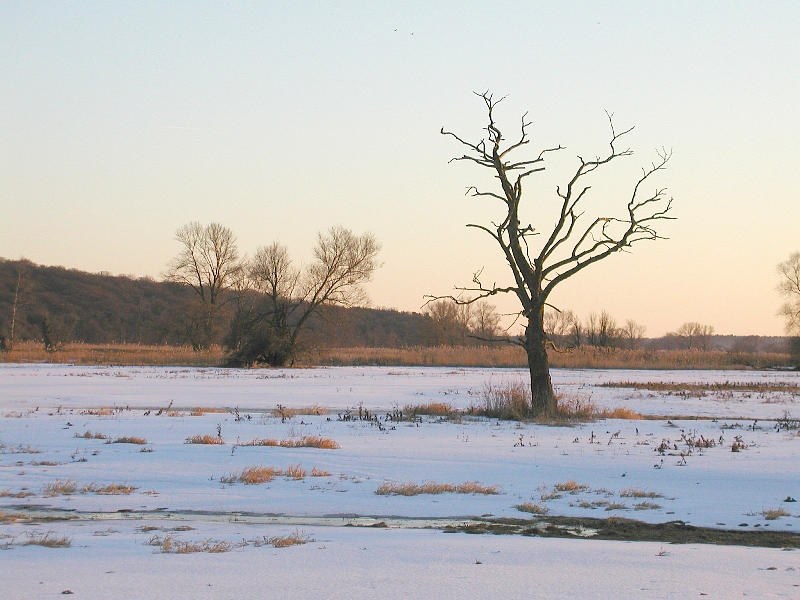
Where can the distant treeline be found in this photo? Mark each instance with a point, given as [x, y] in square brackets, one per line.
[55, 305]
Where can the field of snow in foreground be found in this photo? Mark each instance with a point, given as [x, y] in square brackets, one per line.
[56, 423]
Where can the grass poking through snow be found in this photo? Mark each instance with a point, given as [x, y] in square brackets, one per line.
[431, 487]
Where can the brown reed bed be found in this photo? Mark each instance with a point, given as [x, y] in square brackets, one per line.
[451, 356]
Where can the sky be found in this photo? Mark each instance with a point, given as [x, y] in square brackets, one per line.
[122, 121]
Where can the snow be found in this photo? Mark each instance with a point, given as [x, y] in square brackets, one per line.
[43, 408]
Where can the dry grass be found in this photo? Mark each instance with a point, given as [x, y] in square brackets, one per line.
[513, 356]
[453, 356]
[209, 439]
[261, 442]
[437, 409]
[98, 412]
[646, 506]
[21, 494]
[639, 493]
[48, 540]
[199, 412]
[307, 441]
[13, 518]
[115, 354]
[88, 435]
[505, 401]
[114, 489]
[616, 506]
[701, 388]
[431, 487]
[571, 486]
[311, 441]
[771, 514]
[68, 487]
[294, 472]
[530, 507]
[169, 545]
[261, 474]
[60, 487]
[287, 413]
[129, 440]
[297, 538]
[512, 401]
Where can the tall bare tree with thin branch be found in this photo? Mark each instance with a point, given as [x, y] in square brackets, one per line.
[542, 257]
[209, 263]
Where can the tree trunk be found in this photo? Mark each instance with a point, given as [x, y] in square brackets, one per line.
[543, 398]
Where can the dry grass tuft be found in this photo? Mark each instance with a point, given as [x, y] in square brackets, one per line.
[169, 545]
[88, 435]
[21, 494]
[437, 409]
[294, 472]
[205, 439]
[315, 472]
[199, 412]
[287, 413]
[570, 486]
[296, 538]
[129, 440]
[771, 514]
[114, 489]
[510, 401]
[13, 518]
[259, 474]
[98, 412]
[311, 441]
[60, 488]
[530, 507]
[261, 442]
[431, 487]
[646, 506]
[639, 493]
[621, 413]
[616, 506]
[48, 540]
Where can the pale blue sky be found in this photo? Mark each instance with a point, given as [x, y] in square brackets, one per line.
[122, 121]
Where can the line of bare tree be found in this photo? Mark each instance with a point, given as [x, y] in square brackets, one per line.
[273, 299]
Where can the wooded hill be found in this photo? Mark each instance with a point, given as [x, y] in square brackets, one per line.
[78, 306]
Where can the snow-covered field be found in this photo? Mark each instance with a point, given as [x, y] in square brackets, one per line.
[648, 470]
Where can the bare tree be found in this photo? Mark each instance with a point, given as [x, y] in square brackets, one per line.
[789, 287]
[20, 287]
[694, 336]
[269, 333]
[486, 321]
[208, 263]
[631, 334]
[558, 323]
[569, 245]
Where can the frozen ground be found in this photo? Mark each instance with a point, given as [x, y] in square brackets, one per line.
[647, 470]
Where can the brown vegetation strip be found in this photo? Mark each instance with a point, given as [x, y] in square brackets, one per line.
[451, 356]
[431, 487]
[727, 386]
